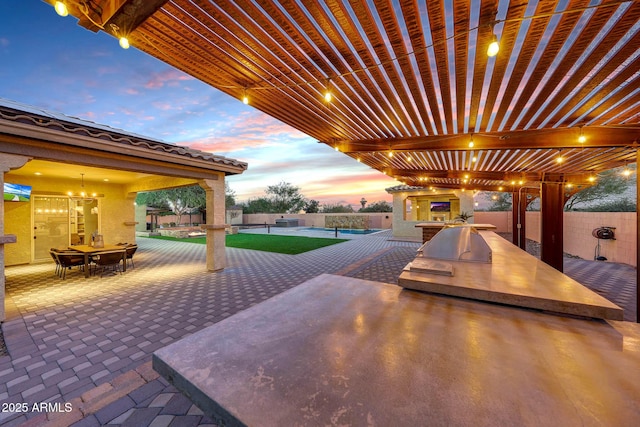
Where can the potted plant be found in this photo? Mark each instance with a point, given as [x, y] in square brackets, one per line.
[463, 216]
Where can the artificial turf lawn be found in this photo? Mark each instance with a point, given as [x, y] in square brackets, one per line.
[291, 245]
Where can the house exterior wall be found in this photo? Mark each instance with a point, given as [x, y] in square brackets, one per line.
[117, 213]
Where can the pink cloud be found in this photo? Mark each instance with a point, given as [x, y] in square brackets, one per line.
[166, 77]
[226, 144]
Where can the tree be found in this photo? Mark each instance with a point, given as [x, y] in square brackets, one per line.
[620, 205]
[285, 197]
[229, 196]
[312, 206]
[378, 207]
[609, 183]
[180, 201]
[337, 208]
[499, 201]
[259, 205]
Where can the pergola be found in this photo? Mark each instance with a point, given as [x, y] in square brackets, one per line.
[412, 85]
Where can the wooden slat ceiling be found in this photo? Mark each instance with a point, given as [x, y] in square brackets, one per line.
[412, 78]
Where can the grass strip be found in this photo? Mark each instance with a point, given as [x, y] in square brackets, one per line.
[291, 245]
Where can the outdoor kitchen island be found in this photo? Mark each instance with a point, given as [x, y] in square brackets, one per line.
[343, 351]
[512, 277]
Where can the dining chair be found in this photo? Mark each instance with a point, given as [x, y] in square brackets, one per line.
[131, 249]
[66, 260]
[103, 260]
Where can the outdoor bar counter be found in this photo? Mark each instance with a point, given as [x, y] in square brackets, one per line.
[514, 277]
[343, 351]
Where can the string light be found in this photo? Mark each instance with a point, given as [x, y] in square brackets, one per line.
[582, 139]
[494, 46]
[124, 42]
[61, 8]
[327, 92]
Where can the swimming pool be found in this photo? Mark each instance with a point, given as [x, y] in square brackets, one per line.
[345, 230]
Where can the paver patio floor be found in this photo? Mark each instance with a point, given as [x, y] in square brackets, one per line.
[88, 342]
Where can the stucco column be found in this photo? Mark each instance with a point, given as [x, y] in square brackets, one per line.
[7, 162]
[215, 226]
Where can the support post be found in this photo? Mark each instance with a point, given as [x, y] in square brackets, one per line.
[215, 226]
[518, 210]
[637, 244]
[552, 213]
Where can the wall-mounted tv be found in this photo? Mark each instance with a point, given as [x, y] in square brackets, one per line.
[440, 206]
[16, 192]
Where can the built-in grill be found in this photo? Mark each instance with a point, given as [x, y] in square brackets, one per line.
[457, 243]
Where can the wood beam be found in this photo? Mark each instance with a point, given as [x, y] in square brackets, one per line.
[619, 136]
[122, 17]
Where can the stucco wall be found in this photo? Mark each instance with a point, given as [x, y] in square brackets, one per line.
[578, 228]
[502, 220]
[117, 213]
[17, 220]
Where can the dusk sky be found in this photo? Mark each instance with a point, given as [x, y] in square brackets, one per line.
[53, 63]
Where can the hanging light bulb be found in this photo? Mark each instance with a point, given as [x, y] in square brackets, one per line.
[245, 98]
[494, 47]
[327, 92]
[124, 42]
[390, 153]
[582, 139]
[471, 144]
[61, 8]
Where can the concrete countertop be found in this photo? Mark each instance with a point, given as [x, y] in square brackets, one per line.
[343, 351]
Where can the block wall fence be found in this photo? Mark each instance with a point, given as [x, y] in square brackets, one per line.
[578, 228]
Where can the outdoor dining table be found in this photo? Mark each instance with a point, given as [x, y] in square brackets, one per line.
[88, 250]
